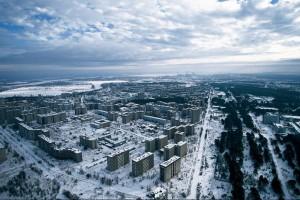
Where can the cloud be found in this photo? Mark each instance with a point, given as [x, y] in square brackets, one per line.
[111, 33]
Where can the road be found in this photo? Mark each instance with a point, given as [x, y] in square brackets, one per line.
[201, 143]
[23, 150]
[26, 149]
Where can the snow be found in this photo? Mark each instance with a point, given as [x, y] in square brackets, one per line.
[196, 169]
[54, 90]
[268, 133]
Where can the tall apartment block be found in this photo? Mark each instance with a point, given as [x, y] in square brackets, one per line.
[153, 144]
[181, 149]
[195, 115]
[169, 151]
[161, 141]
[150, 145]
[190, 129]
[142, 164]
[117, 159]
[179, 136]
[2, 153]
[169, 168]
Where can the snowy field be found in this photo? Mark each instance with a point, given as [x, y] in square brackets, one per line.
[54, 90]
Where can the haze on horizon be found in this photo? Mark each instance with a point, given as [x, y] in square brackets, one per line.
[93, 37]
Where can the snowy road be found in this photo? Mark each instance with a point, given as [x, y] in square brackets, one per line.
[26, 149]
[201, 143]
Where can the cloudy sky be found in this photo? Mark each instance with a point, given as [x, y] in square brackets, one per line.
[148, 36]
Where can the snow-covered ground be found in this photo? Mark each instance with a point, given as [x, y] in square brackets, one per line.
[282, 169]
[54, 90]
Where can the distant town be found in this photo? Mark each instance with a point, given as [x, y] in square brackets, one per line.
[164, 137]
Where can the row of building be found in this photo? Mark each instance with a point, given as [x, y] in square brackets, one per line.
[131, 116]
[179, 149]
[49, 146]
[168, 169]
[31, 133]
[153, 144]
[50, 118]
[187, 130]
[282, 124]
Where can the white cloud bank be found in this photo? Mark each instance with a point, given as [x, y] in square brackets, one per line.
[108, 33]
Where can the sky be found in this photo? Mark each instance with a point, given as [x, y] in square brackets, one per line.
[149, 36]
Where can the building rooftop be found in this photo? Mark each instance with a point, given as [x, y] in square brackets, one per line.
[145, 155]
[118, 152]
[170, 161]
[25, 126]
[169, 146]
[45, 138]
[181, 143]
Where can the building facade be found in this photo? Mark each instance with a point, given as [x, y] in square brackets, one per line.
[142, 164]
[117, 159]
[169, 168]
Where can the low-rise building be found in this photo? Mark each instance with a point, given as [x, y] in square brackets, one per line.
[279, 128]
[80, 110]
[271, 118]
[158, 193]
[102, 123]
[88, 142]
[51, 118]
[155, 119]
